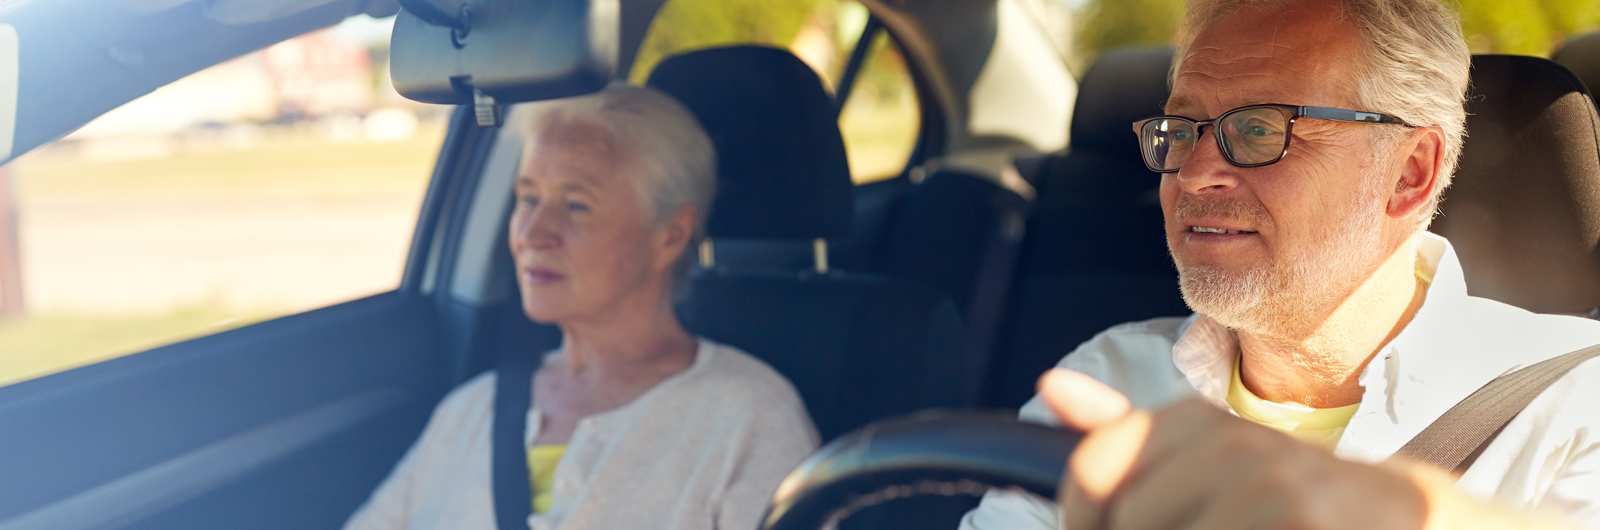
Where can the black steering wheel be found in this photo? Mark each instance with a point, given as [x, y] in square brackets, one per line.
[937, 453]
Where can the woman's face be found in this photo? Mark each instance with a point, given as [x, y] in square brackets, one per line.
[584, 245]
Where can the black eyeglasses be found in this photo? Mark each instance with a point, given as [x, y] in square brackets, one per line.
[1252, 136]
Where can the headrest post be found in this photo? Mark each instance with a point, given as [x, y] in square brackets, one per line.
[708, 255]
[819, 252]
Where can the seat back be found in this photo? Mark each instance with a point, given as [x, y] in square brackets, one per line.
[1095, 252]
[939, 231]
[859, 347]
[1523, 212]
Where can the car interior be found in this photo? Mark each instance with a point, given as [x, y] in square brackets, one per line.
[952, 285]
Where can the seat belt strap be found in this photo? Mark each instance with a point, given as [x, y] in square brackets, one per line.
[1455, 440]
[986, 310]
[513, 397]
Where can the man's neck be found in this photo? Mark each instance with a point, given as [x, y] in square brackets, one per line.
[1321, 368]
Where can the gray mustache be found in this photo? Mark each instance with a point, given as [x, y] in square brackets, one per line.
[1189, 207]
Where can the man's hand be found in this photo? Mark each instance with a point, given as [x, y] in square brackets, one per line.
[1190, 465]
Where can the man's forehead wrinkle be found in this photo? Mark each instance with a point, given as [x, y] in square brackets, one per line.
[1211, 94]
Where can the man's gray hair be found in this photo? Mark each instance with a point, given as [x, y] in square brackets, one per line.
[674, 161]
[1415, 65]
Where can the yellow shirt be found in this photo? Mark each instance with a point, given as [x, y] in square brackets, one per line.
[1319, 426]
[542, 460]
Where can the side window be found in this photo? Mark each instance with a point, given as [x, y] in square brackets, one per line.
[279, 182]
[880, 120]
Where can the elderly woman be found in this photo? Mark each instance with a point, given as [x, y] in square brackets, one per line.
[634, 422]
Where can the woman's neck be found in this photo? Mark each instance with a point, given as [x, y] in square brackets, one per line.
[644, 333]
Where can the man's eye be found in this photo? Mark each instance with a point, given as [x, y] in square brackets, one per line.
[1259, 130]
[1180, 136]
[577, 207]
[529, 200]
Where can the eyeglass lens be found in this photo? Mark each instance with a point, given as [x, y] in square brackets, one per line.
[1247, 137]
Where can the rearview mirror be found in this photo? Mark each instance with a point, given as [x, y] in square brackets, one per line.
[492, 52]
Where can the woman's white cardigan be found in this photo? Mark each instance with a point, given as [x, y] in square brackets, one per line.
[703, 449]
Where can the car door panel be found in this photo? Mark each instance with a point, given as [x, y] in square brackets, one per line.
[292, 421]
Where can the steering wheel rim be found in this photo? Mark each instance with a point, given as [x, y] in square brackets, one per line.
[930, 453]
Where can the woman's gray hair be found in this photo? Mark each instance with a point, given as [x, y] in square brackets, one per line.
[674, 161]
[1415, 65]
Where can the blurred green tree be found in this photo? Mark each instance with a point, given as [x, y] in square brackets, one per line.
[684, 25]
[1526, 27]
[1106, 24]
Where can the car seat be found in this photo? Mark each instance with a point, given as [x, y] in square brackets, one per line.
[1523, 211]
[1095, 253]
[859, 347]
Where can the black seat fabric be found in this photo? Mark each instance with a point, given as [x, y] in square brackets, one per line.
[759, 222]
[859, 347]
[1095, 252]
[939, 230]
[769, 154]
[1524, 209]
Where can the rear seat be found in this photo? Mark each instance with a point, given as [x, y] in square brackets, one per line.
[1095, 252]
[958, 233]
[859, 347]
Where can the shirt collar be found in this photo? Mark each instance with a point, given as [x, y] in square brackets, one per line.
[1204, 353]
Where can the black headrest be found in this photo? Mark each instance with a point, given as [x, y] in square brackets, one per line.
[1524, 209]
[1123, 86]
[1582, 56]
[781, 164]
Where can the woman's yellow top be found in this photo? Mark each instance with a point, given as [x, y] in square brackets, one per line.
[542, 460]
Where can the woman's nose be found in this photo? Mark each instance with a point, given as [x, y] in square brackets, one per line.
[1206, 170]
[537, 228]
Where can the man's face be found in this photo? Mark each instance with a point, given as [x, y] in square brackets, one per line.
[1312, 224]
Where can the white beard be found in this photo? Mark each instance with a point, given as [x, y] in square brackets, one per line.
[1287, 297]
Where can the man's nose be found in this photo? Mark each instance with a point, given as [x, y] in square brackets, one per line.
[1206, 170]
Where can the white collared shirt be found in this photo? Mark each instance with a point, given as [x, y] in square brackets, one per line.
[703, 449]
[1548, 458]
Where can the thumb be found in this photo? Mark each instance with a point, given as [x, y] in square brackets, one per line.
[1080, 401]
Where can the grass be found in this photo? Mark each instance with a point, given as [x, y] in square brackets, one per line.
[61, 191]
[45, 344]
[295, 165]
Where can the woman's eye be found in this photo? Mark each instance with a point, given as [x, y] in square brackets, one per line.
[1258, 131]
[529, 200]
[1180, 136]
[577, 206]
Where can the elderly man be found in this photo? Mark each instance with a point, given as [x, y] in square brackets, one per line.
[1303, 153]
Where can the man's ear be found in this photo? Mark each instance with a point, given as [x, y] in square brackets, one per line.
[1421, 172]
[674, 237]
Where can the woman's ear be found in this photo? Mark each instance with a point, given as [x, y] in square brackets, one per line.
[1421, 173]
[675, 235]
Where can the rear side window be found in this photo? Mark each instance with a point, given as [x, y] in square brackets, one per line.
[880, 120]
[279, 182]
